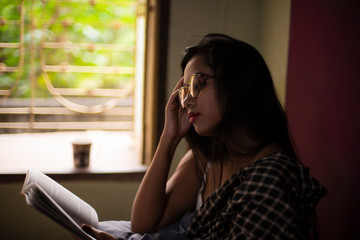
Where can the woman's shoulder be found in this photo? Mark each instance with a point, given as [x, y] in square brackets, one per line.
[274, 164]
[277, 168]
[277, 174]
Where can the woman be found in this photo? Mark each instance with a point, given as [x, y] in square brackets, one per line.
[240, 176]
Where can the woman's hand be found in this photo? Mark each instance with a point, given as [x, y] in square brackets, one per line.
[176, 118]
[96, 233]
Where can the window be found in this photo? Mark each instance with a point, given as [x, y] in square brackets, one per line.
[69, 66]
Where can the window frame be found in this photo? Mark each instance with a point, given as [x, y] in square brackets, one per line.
[155, 78]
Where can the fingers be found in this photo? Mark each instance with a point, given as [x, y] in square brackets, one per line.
[96, 233]
[179, 84]
[174, 99]
[175, 96]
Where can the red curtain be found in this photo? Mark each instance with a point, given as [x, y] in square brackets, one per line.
[323, 106]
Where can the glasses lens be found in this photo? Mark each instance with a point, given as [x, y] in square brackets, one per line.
[181, 94]
[194, 86]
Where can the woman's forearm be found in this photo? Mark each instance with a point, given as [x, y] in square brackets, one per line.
[150, 201]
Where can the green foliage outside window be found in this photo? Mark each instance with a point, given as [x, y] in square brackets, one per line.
[91, 33]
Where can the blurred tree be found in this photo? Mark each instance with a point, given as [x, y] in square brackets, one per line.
[68, 33]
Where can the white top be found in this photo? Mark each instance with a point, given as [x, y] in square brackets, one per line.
[200, 200]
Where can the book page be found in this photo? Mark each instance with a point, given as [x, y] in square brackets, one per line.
[80, 211]
[36, 197]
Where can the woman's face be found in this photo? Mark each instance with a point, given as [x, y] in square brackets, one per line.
[204, 111]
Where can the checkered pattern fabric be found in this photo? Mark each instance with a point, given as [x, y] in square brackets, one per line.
[272, 198]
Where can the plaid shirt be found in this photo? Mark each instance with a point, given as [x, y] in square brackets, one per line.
[273, 198]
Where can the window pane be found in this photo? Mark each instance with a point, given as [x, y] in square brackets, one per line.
[67, 65]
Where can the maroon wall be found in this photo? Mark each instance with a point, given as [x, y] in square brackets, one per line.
[322, 103]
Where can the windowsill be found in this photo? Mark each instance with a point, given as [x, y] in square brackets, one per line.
[113, 156]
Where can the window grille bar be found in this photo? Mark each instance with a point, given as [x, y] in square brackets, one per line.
[9, 45]
[89, 46]
[123, 125]
[89, 69]
[4, 68]
[91, 92]
[123, 111]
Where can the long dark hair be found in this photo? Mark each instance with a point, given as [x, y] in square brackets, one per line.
[252, 113]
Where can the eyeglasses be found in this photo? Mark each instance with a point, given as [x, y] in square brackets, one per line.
[192, 87]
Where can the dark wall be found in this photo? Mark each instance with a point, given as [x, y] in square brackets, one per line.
[323, 106]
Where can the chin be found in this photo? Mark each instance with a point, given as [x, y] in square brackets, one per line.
[204, 132]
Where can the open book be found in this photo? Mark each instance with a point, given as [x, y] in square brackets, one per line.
[58, 203]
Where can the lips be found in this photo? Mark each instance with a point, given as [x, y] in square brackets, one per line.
[193, 117]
